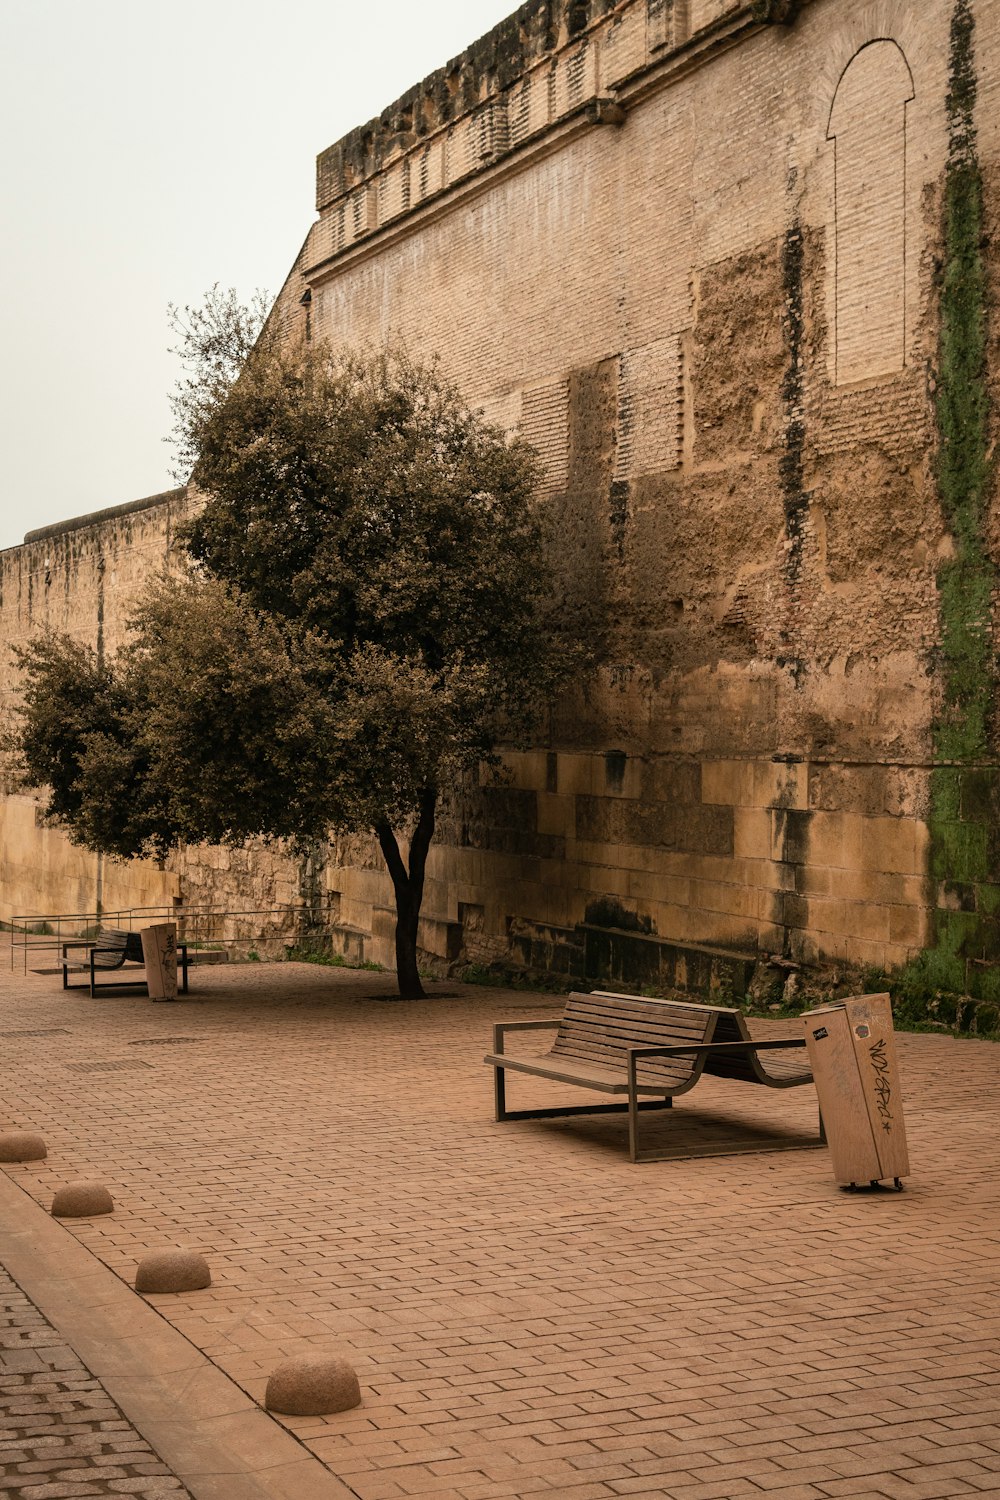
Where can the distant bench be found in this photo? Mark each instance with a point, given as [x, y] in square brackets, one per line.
[622, 1044]
[113, 948]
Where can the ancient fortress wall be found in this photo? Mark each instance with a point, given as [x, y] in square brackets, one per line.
[692, 250]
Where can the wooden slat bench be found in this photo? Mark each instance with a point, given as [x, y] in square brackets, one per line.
[112, 949]
[627, 1045]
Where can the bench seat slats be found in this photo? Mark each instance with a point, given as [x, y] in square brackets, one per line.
[593, 1042]
[633, 1026]
[633, 1036]
[670, 1069]
[778, 1073]
[587, 1075]
[616, 1048]
[655, 1005]
[603, 1033]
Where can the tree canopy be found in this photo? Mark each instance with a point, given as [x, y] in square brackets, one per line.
[367, 617]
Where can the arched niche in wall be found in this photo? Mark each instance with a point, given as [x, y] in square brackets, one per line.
[868, 128]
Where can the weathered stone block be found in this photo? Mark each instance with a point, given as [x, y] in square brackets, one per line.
[674, 781]
[863, 919]
[889, 844]
[909, 927]
[752, 833]
[781, 784]
[667, 825]
[792, 835]
[729, 782]
[814, 880]
[556, 815]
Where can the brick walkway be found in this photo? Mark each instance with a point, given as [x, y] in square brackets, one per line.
[60, 1432]
[529, 1313]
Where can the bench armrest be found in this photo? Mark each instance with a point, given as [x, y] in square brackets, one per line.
[499, 1027]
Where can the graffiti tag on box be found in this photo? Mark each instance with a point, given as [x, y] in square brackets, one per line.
[883, 1088]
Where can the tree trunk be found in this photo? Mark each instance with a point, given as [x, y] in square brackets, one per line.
[408, 885]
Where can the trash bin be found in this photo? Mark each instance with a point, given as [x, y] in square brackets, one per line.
[852, 1051]
[159, 952]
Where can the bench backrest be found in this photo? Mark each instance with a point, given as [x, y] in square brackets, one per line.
[601, 1028]
[117, 937]
[777, 1069]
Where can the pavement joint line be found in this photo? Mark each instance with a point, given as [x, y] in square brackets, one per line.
[205, 1427]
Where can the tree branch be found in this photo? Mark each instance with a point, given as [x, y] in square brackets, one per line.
[421, 840]
[393, 858]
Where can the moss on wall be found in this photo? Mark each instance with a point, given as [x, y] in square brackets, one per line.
[965, 789]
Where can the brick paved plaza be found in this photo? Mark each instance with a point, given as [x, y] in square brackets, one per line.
[529, 1314]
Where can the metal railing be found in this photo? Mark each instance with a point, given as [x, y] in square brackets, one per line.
[203, 928]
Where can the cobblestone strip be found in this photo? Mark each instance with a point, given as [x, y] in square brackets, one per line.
[61, 1435]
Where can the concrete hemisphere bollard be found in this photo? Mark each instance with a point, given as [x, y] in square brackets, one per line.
[82, 1200]
[312, 1387]
[173, 1271]
[21, 1145]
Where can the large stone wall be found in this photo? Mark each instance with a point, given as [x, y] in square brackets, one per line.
[80, 578]
[83, 578]
[691, 249]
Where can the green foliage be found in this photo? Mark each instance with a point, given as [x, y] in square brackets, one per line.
[76, 739]
[775, 12]
[964, 468]
[363, 499]
[306, 955]
[961, 822]
[355, 635]
[205, 728]
[215, 341]
[500, 977]
[369, 616]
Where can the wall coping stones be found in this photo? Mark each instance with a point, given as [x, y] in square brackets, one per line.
[99, 517]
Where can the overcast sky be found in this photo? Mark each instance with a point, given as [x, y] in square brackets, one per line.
[150, 150]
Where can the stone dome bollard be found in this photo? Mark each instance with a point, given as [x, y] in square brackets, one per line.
[312, 1387]
[173, 1271]
[21, 1145]
[82, 1200]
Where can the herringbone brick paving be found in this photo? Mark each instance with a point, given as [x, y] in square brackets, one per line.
[529, 1313]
